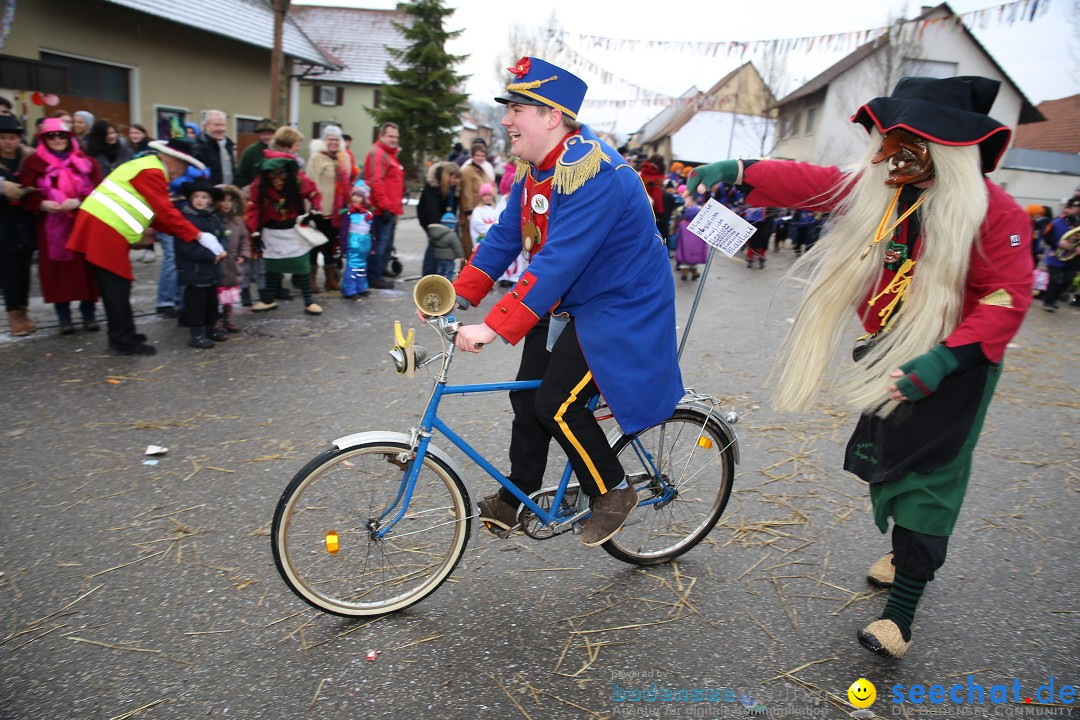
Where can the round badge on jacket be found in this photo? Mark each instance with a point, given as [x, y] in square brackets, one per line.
[539, 204]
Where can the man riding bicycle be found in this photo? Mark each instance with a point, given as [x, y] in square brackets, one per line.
[595, 307]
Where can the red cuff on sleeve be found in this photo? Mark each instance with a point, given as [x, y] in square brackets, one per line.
[511, 318]
[473, 284]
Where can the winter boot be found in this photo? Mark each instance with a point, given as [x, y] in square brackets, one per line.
[315, 279]
[226, 323]
[17, 324]
[332, 282]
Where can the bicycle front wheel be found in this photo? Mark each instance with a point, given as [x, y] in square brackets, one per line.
[683, 470]
[324, 530]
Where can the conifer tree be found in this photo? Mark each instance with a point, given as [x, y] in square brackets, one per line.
[422, 96]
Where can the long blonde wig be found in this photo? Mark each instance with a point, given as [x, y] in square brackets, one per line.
[837, 281]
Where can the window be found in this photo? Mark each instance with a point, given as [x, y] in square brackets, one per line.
[169, 122]
[329, 95]
[246, 125]
[809, 129]
[92, 80]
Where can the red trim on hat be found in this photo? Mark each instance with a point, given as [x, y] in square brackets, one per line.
[923, 134]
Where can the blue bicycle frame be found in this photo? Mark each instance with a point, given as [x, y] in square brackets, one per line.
[431, 422]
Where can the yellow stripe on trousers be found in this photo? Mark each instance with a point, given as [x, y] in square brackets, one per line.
[570, 436]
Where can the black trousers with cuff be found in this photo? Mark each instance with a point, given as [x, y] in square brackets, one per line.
[558, 409]
[116, 297]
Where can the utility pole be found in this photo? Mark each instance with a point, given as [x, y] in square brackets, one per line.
[281, 8]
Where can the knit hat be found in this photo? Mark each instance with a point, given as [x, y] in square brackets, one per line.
[87, 117]
[947, 111]
[330, 131]
[179, 148]
[486, 189]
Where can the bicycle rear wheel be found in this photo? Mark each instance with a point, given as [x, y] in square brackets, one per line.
[323, 534]
[683, 470]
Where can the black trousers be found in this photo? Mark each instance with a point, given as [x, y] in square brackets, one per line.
[917, 555]
[116, 297]
[558, 409]
[327, 250]
[1060, 280]
[15, 279]
[200, 307]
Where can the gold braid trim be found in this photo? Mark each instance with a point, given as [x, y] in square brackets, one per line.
[521, 169]
[531, 85]
[899, 287]
[569, 176]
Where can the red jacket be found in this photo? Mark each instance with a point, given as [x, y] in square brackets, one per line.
[107, 248]
[654, 186]
[386, 178]
[997, 291]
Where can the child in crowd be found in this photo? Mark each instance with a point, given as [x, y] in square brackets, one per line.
[358, 244]
[197, 266]
[690, 250]
[445, 244]
[483, 215]
[230, 210]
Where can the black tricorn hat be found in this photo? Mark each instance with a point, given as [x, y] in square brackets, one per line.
[947, 111]
[202, 184]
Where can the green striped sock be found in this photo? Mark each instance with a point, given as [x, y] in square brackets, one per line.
[903, 600]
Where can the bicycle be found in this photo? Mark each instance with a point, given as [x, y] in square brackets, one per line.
[379, 521]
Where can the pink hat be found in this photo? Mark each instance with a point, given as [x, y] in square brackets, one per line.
[486, 189]
[50, 125]
[681, 189]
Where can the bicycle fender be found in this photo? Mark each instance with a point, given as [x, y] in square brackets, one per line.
[730, 435]
[349, 441]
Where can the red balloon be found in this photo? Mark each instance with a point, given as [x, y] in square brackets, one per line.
[37, 98]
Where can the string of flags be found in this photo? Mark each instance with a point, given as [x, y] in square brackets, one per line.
[901, 33]
[1007, 13]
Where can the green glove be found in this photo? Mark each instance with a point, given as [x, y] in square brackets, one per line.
[924, 374]
[725, 171]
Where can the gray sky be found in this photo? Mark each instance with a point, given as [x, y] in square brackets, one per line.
[1036, 55]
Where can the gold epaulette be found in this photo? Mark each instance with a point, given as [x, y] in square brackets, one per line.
[521, 169]
[577, 164]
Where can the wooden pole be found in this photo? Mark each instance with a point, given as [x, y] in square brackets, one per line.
[281, 7]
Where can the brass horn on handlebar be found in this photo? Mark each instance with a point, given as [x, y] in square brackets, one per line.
[434, 295]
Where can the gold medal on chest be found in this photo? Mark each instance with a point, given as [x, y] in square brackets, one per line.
[530, 236]
[539, 204]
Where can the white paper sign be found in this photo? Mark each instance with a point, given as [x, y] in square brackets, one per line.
[721, 228]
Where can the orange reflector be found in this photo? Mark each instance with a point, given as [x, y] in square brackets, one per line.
[704, 442]
[332, 545]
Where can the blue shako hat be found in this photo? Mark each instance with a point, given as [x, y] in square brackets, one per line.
[537, 82]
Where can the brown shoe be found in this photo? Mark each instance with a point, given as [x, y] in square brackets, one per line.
[882, 573]
[17, 324]
[884, 637]
[498, 516]
[30, 326]
[609, 512]
[315, 280]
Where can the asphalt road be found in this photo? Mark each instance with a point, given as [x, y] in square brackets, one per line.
[136, 590]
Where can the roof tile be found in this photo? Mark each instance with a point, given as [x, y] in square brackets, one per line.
[358, 38]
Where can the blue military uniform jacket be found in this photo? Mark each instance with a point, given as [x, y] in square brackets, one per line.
[584, 218]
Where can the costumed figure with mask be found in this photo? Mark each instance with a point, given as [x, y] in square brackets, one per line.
[935, 260]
